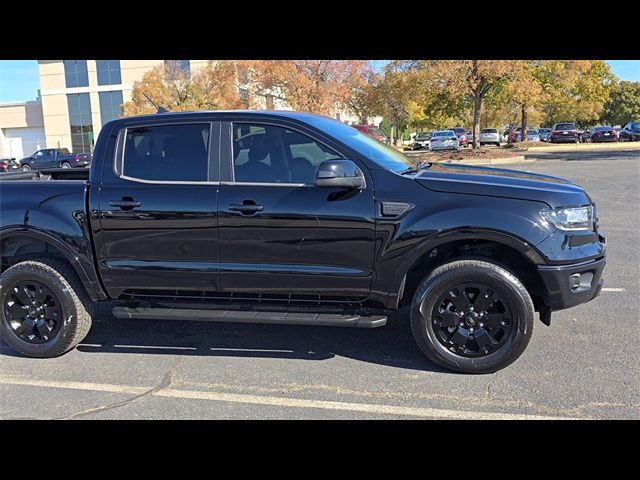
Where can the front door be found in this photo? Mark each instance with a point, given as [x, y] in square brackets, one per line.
[157, 212]
[279, 234]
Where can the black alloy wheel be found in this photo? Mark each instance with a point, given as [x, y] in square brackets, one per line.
[33, 311]
[472, 319]
[472, 315]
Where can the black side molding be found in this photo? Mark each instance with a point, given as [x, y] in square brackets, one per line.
[235, 316]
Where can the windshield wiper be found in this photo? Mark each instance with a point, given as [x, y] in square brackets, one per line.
[417, 168]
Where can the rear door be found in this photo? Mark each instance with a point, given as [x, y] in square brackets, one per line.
[157, 210]
[281, 235]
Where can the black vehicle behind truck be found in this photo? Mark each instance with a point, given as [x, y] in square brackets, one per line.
[283, 217]
[55, 158]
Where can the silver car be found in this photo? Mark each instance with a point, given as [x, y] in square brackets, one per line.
[444, 140]
[489, 136]
[532, 136]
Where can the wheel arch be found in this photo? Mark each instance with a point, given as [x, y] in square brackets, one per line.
[23, 244]
[512, 252]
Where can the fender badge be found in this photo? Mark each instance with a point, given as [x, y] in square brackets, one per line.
[395, 209]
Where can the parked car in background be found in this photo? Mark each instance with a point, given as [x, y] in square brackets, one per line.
[373, 132]
[9, 165]
[444, 140]
[564, 133]
[543, 133]
[489, 136]
[55, 158]
[515, 135]
[585, 135]
[630, 132]
[603, 134]
[461, 133]
[618, 131]
[421, 140]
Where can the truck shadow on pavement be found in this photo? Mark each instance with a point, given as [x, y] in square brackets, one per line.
[392, 345]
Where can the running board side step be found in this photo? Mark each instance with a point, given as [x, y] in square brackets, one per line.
[236, 316]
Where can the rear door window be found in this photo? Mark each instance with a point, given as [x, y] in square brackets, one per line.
[167, 153]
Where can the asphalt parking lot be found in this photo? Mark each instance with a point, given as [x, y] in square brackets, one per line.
[584, 366]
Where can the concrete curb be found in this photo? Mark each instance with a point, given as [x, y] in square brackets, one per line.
[491, 161]
[585, 147]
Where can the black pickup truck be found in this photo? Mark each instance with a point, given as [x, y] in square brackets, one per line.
[55, 158]
[291, 218]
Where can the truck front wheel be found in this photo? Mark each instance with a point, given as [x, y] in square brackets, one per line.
[44, 308]
[472, 316]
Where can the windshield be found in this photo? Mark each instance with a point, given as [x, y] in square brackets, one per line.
[459, 130]
[386, 157]
[600, 129]
[635, 126]
[423, 136]
[532, 132]
[544, 130]
[489, 130]
[565, 126]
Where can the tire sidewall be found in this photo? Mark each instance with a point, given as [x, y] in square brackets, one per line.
[63, 294]
[430, 291]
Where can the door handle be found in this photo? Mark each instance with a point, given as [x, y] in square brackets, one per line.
[125, 204]
[246, 208]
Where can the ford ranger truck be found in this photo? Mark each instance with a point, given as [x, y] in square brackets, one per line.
[291, 218]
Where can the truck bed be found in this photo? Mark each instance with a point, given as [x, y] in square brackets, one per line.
[49, 174]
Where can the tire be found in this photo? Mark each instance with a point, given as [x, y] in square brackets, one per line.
[513, 338]
[62, 281]
[65, 165]
[26, 168]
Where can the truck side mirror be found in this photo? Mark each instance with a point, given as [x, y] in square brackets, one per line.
[339, 173]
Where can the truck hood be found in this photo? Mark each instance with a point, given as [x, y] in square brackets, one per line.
[501, 182]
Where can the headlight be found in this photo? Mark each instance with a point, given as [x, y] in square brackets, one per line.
[570, 219]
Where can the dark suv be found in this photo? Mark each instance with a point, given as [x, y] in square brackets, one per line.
[630, 132]
[564, 133]
[291, 218]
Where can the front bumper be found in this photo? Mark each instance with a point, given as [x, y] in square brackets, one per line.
[571, 285]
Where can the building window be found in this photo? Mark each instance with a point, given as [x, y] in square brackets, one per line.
[108, 72]
[110, 105]
[80, 122]
[171, 67]
[75, 73]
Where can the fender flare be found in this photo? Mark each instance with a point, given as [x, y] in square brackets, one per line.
[68, 253]
[525, 248]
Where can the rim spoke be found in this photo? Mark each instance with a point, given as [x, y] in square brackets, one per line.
[17, 311]
[460, 337]
[458, 300]
[22, 294]
[27, 325]
[449, 319]
[494, 320]
[43, 327]
[41, 294]
[484, 300]
[483, 339]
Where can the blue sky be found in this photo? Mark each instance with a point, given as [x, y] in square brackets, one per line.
[19, 78]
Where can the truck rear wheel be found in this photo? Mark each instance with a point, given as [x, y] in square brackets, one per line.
[43, 308]
[472, 316]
